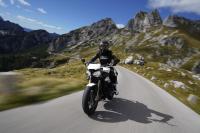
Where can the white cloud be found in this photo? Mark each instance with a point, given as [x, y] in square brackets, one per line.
[26, 19]
[24, 2]
[2, 3]
[37, 22]
[120, 26]
[41, 10]
[177, 5]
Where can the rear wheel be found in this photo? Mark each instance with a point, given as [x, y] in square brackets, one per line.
[89, 104]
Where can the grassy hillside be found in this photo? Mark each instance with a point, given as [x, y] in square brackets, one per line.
[41, 84]
[156, 56]
[23, 59]
[164, 78]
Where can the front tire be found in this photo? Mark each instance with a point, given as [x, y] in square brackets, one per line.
[89, 104]
[110, 96]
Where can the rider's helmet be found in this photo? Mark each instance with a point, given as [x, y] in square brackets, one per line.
[104, 45]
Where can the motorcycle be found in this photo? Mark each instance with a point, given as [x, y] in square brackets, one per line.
[99, 87]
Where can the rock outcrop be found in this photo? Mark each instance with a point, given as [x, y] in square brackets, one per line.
[169, 22]
[177, 62]
[129, 60]
[191, 26]
[144, 20]
[94, 32]
[178, 84]
[178, 42]
[193, 99]
[196, 68]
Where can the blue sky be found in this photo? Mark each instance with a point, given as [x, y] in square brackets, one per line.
[61, 16]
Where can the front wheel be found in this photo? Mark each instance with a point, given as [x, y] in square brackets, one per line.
[89, 104]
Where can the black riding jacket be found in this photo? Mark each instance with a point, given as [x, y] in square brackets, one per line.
[105, 58]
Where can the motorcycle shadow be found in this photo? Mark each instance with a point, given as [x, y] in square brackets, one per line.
[120, 109]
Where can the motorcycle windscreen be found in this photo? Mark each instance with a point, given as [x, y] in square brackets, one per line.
[94, 66]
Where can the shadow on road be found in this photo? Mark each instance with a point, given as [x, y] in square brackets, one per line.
[120, 109]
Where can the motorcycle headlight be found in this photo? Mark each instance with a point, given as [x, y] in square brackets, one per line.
[96, 74]
[106, 69]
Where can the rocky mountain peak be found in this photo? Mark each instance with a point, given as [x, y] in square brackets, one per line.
[191, 26]
[144, 20]
[9, 28]
[155, 18]
[99, 29]
[176, 21]
[141, 15]
[169, 22]
[104, 22]
[104, 26]
[14, 39]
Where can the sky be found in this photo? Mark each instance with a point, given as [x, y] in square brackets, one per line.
[62, 16]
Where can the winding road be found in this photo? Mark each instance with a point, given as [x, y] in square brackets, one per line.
[141, 107]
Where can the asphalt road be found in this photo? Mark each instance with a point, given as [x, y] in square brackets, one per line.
[141, 107]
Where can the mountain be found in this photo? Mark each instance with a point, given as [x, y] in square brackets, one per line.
[27, 29]
[143, 20]
[13, 38]
[174, 41]
[94, 32]
[34, 38]
[9, 28]
[21, 49]
[190, 26]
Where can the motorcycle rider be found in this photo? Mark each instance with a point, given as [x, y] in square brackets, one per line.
[106, 58]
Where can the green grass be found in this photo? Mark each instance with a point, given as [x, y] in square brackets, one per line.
[152, 69]
[188, 65]
[41, 84]
[23, 59]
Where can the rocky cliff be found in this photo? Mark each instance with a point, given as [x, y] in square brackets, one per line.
[190, 26]
[95, 32]
[143, 20]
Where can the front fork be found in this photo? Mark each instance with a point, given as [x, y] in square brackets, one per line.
[99, 85]
[99, 89]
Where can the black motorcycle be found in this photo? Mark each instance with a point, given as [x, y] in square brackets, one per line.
[99, 87]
